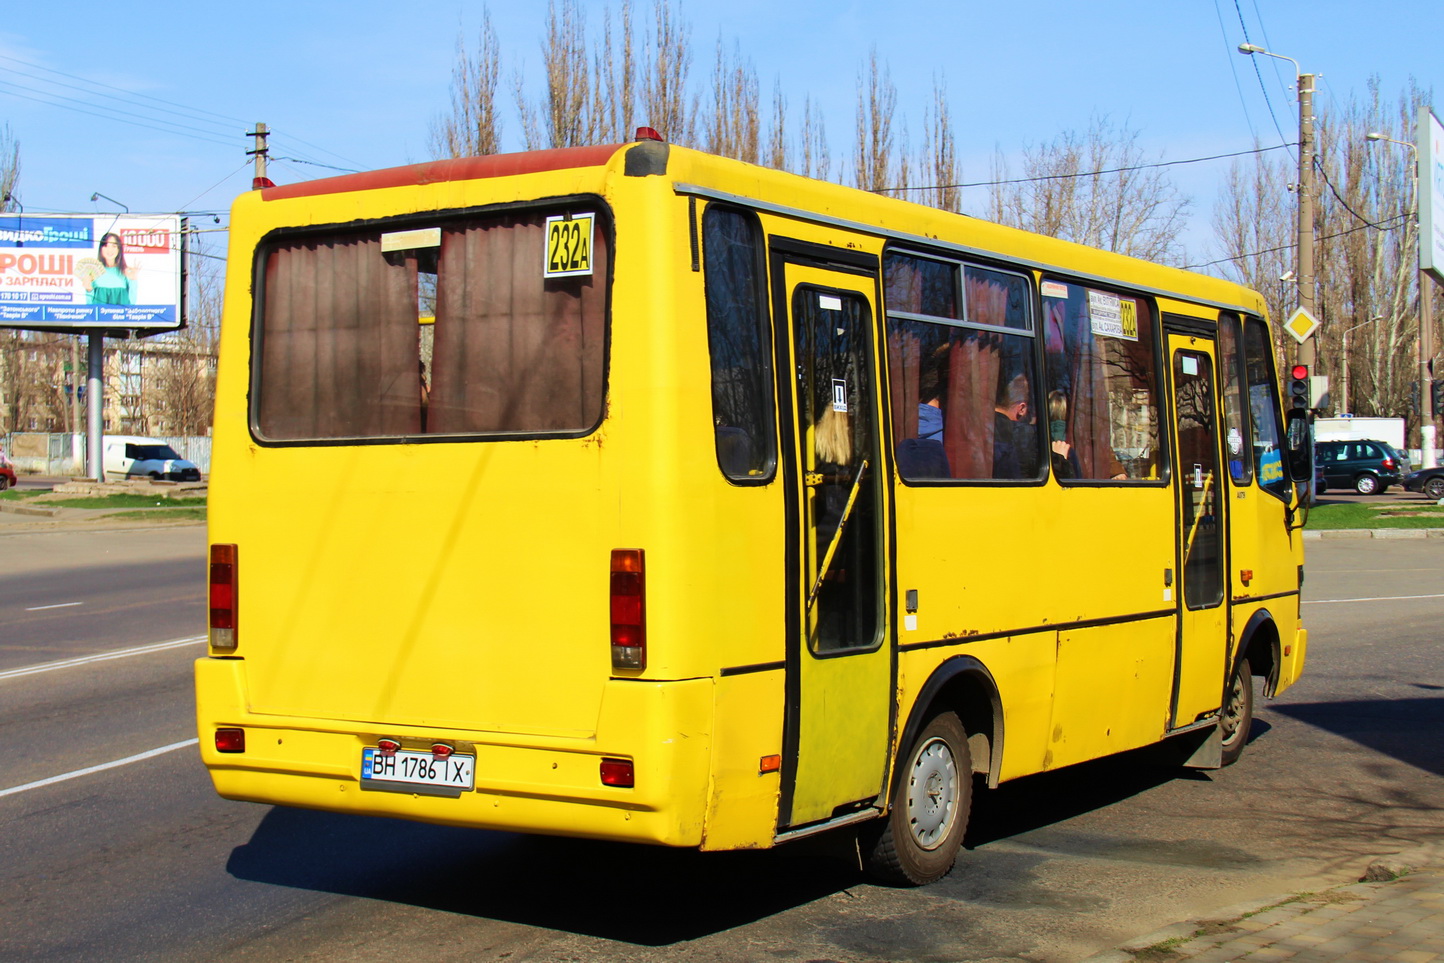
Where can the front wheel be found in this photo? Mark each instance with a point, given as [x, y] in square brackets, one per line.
[1366, 484]
[1237, 716]
[918, 841]
[1434, 487]
[4, 483]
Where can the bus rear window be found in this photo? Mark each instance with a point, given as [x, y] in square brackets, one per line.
[451, 327]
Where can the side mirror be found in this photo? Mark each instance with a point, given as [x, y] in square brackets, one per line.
[1299, 445]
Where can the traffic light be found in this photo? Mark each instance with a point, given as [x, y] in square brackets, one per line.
[1438, 397]
[1299, 386]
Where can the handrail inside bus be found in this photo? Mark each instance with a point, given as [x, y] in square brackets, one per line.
[837, 535]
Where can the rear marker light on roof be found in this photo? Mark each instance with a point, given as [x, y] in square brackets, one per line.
[628, 609]
[223, 582]
[648, 133]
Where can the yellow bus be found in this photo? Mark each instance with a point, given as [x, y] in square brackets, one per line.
[633, 493]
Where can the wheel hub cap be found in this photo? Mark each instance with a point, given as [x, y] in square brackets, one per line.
[932, 794]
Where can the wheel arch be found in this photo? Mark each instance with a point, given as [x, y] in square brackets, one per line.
[962, 685]
[1259, 643]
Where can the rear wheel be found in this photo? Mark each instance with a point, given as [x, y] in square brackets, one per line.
[1434, 487]
[1366, 484]
[918, 841]
[1237, 716]
[4, 483]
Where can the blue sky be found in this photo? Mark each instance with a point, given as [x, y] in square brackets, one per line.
[357, 84]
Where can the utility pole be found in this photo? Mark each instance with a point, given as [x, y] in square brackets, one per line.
[1306, 352]
[259, 153]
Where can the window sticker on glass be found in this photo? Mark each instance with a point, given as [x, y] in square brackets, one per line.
[839, 396]
[569, 245]
[1190, 365]
[829, 303]
[1112, 317]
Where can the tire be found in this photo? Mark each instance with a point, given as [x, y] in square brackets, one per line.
[155, 476]
[1366, 485]
[918, 840]
[4, 483]
[1237, 716]
[1434, 487]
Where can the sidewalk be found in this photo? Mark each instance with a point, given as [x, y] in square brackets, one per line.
[1395, 914]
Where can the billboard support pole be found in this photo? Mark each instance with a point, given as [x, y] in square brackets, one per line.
[95, 407]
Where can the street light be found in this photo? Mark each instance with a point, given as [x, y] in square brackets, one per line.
[97, 196]
[1344, 395]
[1305, 87]
[1426, 319]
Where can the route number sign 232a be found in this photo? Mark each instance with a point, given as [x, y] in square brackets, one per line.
[569, 245]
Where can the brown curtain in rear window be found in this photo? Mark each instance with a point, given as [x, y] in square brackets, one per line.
[338, 336]
[515, 352]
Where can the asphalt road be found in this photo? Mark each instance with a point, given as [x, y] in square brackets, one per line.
[141, 861]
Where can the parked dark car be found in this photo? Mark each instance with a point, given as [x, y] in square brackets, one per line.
[1430, 481]
[1367, 466]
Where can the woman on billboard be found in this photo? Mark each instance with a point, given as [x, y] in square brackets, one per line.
[106, 278]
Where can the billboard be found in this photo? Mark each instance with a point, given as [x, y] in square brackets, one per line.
[1431, 194]
[69, 271]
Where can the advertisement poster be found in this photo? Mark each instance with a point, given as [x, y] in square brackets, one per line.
[60, 271]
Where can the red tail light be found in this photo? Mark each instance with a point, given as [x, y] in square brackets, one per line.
[629, 609]
[230, 740]
[223, 597]
[1388, 464]
[618, 772]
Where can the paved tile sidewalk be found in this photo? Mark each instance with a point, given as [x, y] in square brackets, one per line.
[1370, 922]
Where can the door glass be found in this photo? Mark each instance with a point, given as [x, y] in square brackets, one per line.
[836, 423]
[1198, 480]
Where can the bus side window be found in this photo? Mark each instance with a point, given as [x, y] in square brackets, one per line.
[1236, 424]
[1263, 403]
[738, 342]
[961, 371]
[1098, 347]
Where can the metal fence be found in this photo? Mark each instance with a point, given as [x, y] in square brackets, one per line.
[63, 454]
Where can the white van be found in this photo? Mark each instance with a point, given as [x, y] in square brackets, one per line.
[132, 456]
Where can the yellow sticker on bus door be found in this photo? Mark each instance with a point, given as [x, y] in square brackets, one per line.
[569, 245]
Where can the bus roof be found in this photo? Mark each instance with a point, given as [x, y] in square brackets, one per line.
[452, 169]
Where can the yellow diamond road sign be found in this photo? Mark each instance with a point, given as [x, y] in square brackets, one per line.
[1301, 324]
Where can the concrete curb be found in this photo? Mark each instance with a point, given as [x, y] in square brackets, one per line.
[1375, 533]
[1380, 871]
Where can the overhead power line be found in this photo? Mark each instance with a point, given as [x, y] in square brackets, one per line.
[1097, 173]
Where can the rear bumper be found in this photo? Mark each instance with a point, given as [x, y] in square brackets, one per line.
[524, 783]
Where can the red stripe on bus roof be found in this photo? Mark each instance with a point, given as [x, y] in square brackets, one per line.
[457, 169]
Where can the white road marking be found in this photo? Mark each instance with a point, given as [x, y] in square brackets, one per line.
[61, 605]
[100, 768]
[1376, 598]
[100, 657]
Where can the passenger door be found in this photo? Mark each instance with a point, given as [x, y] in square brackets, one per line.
[839, 660]
[1202, 648]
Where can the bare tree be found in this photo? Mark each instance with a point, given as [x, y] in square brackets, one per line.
[937, 163]
[666, 103]
[614, 79]
[1094, 188]
[472, 126]
[563, 117]
[876, 157]
[1366, 240]
[814, 157]
[777, 154]
[733, 128]
[9, 168]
